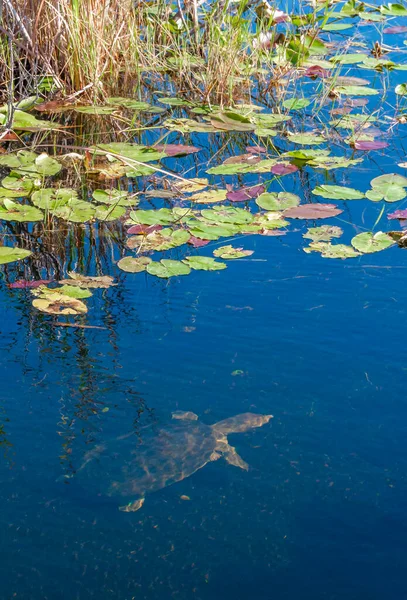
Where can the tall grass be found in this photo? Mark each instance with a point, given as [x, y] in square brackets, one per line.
[108, 47]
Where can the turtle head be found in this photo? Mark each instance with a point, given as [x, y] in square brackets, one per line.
[241, 423]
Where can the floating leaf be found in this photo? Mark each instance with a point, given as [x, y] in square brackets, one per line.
[245, 193]
[13, 211]
[306, 139]
[72, 291]
[394, 9]
[398, 214]
[23, 284]
[59, 304]
[401, 89]
[229, 252]
[176, 149]
[196, 242]
[109, 213]
[369, 242]
[369, 145]
[328, 250]
[52, 198]
[128, 103]
[210, 196]
[356, 90]
[312, 211]
[114, 196]
[191, 185]
[231, 121]
[85, 281]
[168, 268]
[143, 229]
[337, 192]
[227, 214]
[47, 166]
[296, 103]
[163, 216]
[323, 233]
[389, 179]
[277, 201]
[204, 263]
[8, 254]
[134, 265]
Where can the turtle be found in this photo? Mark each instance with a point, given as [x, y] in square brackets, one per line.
[137, 465]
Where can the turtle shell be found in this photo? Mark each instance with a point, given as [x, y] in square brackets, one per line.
[135, 465]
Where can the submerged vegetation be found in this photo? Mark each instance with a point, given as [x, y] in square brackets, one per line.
[171, 131]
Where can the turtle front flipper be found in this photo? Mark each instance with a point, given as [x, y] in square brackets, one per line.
[233, 458]
[132, 506]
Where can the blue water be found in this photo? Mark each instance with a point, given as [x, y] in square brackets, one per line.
[318, 343]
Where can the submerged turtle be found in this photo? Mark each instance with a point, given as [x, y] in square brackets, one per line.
[164, 455]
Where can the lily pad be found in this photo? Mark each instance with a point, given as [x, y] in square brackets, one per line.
[163, 216]
[371, 242]
[323, 233]
[204, 263]
[22, 213]
[227, 214]
[134, 265]
[85, 281]
[209, 196]
[109, 213]
[9, 254]
[52, 198]
[168, 268]
[59, 304]
[277, 201]
[312, 211]
[115, 197]
[337, 192]
[229, 252]
[328, 250]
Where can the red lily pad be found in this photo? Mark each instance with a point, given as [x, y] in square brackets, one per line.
[396, 29]
[283, 169]
[176, 149]
[312, 211]
[398, 214]
[197, 242]
[372, 145]
[23, 284]
[255, 150]
[245, 193]
[143, 229]
[316, 71]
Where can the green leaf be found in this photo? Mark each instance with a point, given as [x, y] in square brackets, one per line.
[114, 197]
[231, 121]
[109, 213]
[128, 103]
[163, 216]
[390, 178]
[13, 211]
[8, 254]
[132, 151]
[349, 59]
[296, 103]
[323, 233]
[369, 242]
[52, 198]
[328, 250]
[356, 90]
[209, 196]
[277, 201]
[401, 89]
[337, 192]
[73, 291]
[134, 265]
[204, 263]
[168, 268]
[394, 9]
[229, 252]
[227, 214]
[75, 211]
[306, 139]
[47, 166]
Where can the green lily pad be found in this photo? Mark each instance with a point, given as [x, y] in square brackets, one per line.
[209, 196]
[306, 139]
[131, 151]
[229, 252]
[74, 211]
[213, 232]
[204, 263]
[9, 254]
[277, 201]
[389, 179]
[337, 192]
[168, 268]
[109, 213]
[52, 198]
[369, 242]
[163, 216]
[328, 250]
[73, 291]
[134, 265]
[128, 103]
[389, 193]
[22, 213]
[296, 103]
[323, 233]
[231, 121]
[115, 197]
[394, 9]
[356, 90]
[227, 214]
